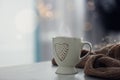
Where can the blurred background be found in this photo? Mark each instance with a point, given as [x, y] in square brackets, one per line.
[28, 26]
[17, 27]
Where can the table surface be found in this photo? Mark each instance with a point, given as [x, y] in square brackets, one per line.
[39, 71]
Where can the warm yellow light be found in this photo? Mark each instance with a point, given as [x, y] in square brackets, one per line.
[45, 11]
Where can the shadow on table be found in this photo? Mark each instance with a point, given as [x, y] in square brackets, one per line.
[79, 76]
[93, 78]
[66, 77]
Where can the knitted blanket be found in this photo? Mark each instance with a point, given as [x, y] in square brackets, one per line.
[103, 63]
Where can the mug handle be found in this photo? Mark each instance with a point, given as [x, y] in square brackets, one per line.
[90, 47]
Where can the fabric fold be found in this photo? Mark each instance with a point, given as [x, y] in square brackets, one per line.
[102, 66]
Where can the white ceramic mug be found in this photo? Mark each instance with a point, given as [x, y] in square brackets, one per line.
[66, 52]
